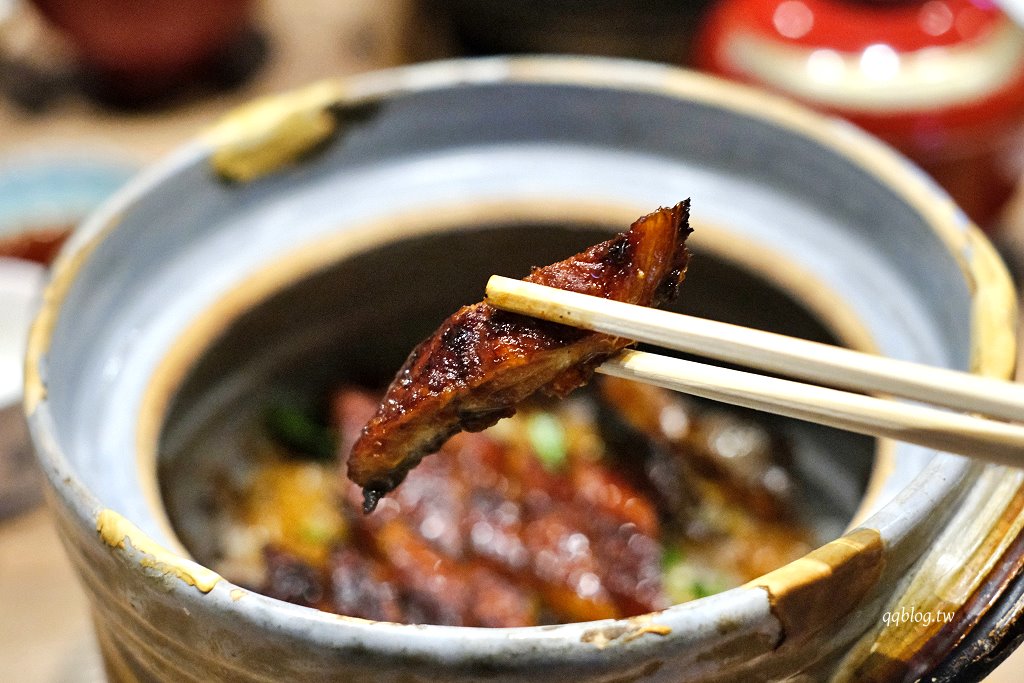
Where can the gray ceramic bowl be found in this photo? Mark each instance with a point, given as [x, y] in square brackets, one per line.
[318, 234]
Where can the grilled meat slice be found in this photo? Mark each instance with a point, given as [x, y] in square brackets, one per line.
[481, 362]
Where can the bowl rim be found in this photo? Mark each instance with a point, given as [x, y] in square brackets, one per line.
[992, 324]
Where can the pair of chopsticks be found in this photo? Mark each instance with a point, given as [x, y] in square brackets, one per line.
[953, 432]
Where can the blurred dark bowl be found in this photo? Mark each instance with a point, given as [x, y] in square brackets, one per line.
[146, 46]
[658, 30]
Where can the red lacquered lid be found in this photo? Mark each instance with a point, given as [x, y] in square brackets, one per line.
[939, 68]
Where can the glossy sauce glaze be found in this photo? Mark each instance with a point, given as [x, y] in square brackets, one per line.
[481, 362]
[615, 503]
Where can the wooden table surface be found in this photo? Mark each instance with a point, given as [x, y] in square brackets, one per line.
[45, 631]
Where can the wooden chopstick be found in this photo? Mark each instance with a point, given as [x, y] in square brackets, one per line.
[816, 362]
[812, 361]
[989, 440]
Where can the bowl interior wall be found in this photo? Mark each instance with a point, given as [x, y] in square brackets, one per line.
[357, 320]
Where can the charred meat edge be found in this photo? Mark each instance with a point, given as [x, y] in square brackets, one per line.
[482, 361]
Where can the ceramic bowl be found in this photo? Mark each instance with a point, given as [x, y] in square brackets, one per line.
[317, 234]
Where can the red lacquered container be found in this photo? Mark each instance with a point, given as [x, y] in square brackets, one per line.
[144, 47]
[941, 80]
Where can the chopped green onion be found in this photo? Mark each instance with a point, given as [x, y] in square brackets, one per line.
[702, 590]
[671, 557]
[295, 429]
[547, 438]
[685, 581]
